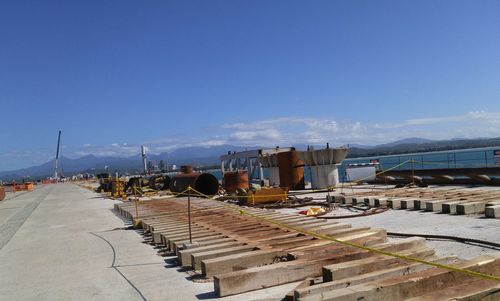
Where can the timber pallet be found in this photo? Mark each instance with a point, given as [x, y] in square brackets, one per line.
[264, 248]
[458, 201]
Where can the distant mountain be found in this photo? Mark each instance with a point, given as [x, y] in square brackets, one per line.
[405, 141]
[421, 145]
[89, 163]
[198, 156]
[195, 154]
[204, 156]
[363, 146]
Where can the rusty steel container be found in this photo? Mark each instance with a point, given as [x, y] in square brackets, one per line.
[186, 169]
[291, 170]
[2, 193]
[203, 182]
[234, 180]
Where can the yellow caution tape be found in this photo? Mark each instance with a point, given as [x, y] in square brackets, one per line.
[355, 245]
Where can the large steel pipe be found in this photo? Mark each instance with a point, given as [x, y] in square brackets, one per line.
[203, 182]
[291, 170]
[235, 180]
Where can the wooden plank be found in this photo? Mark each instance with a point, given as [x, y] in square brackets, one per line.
[484, 290]
[492, 211]
[396, 203]
[357, 267]
[197, 239]
[196, 258]
[451, 207]
[169, 241]
[176, 244]
[470, 208]
[381, 201]
[184, 256]
[413, 285]
[305, 283]
[408, 203]
[435, 205]
[240, 261]
[274, 274]
[473, 207]
[204, 243]
[165, 236]
[391, 270]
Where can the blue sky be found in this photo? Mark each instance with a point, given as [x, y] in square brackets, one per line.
[115, 74]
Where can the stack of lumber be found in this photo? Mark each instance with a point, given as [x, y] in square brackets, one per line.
[264, 248]
[451, 200]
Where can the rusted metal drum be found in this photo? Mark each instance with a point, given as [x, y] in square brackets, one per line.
[203, 182]
[2, 193]
[186, 169]
[291, 170]
[234, 180]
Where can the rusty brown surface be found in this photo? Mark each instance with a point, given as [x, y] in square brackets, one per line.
[186, 169]
[291, 170]
[235, 180]
[203, 182]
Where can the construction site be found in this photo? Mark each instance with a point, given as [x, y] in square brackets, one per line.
[261, 232]
[250, 150]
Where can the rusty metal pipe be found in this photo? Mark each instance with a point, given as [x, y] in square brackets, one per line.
[203, 182]
[234, 180]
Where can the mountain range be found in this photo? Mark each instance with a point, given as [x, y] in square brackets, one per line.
[209, 156]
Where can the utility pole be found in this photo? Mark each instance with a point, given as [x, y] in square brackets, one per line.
[144, 161]
[57, 155]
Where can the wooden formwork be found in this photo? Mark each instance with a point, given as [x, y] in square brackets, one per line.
[443, 199]
[264, 248]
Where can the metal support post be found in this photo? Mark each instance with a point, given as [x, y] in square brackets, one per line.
[189, 214]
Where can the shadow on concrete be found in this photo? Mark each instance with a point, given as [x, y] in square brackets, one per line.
[207, 295]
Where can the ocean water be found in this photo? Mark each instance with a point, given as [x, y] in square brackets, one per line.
[477, 157]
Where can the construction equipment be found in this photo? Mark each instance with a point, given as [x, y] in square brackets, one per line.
[134, 185]
[265, 195]
[104, 182]
[118, 188]
[159, 182]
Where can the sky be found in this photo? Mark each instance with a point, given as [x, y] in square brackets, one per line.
[113, 75]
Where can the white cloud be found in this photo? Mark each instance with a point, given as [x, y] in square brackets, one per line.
[285, 131]
[294, 130]
[256, 135]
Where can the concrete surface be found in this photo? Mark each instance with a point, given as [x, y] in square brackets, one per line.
[62, 242]
[423, 222]
[416, 222]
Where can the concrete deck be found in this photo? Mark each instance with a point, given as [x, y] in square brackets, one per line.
[422, 222]
[61, 242]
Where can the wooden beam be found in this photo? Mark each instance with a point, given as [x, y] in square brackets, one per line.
[361, 266]
[240, 261]
[196, 258]
[184, 256]
[413, 285]
[391, 270]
